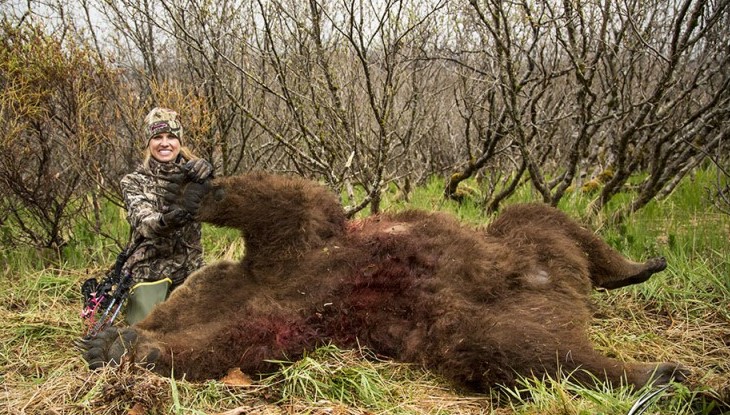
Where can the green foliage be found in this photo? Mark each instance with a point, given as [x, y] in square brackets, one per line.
[49, 88]
[221, 243]
[430, 198]
[329, 374]
[561, 397]
[549, 396]
[329, 377]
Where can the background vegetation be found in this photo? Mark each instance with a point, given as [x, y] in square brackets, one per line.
[367, 94]
[616, 112]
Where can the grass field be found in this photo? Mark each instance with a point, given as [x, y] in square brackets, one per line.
[681, 314]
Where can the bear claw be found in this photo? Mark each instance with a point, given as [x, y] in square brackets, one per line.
[664, 373]
[110, 346]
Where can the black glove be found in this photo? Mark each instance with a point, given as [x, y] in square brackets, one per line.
[175, 218]
[198, 170]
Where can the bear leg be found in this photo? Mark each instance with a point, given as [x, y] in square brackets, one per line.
[590, 368]
[550, 228]
[608, 268]
[657, 373]
[628, 273]
[115, 346]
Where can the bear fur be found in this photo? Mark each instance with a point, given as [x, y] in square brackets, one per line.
[480, 307]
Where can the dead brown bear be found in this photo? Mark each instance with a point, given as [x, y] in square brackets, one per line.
[480, 307]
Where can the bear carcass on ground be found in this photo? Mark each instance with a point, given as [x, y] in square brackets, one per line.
[478, 306]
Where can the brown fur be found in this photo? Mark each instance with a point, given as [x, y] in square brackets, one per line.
[479, 307]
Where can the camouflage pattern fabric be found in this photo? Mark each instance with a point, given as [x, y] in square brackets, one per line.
[161, 120]
[165, 252]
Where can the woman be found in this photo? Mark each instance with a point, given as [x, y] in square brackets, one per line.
[165, 245]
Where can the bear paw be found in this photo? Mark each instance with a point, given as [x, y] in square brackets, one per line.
[181, 193]
[655, 265]
[661, 374]
[115, 346]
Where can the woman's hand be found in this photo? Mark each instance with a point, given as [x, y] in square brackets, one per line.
[175, 218]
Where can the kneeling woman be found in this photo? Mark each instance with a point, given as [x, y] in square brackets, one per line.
[165, 243]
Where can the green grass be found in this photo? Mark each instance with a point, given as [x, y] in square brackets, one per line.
[330, 374]
[681, 314]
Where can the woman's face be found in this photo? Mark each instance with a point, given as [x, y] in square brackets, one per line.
[164, 147]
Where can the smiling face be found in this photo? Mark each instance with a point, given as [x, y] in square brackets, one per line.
[164, 147]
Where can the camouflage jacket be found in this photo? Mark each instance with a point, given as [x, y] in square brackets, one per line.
[163, 252]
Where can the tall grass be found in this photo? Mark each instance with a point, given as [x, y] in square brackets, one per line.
[681, 314]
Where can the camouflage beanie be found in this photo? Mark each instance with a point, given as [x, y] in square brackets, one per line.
[162, 120]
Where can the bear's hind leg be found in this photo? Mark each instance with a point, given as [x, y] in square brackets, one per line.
[549, 338]
[638, 272]
[608, 268]
[590, 368]
[539, 223]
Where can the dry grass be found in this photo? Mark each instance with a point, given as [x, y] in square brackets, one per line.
[42, 374]
[634, 330]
